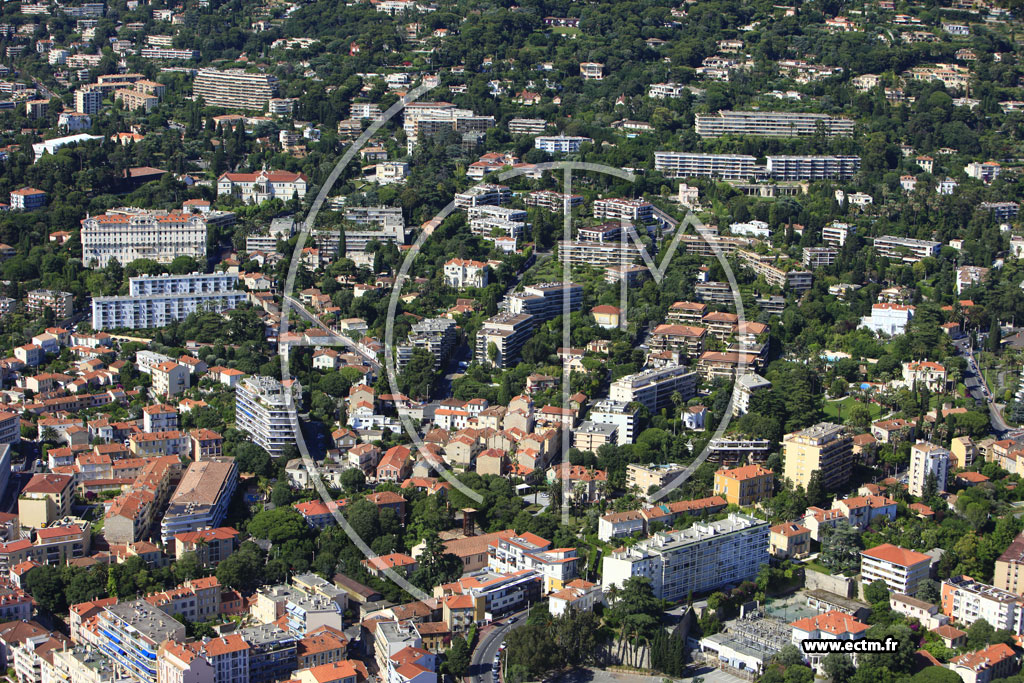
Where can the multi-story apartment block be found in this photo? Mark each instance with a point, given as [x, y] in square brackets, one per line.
[619, 209]
[1009, 570]
[436, 335]
[27, 199]
[59, 302]
[256, 188]
[824, 448]
[553, 201]
[653, 388]
[546, 300]
[485, 194]
[234, 88]
[486, 219]
[694, 165]
[155, 301]
[88, 100]
[209, 545]
[265, 410]
[819, 257]
[201, 499]
[812, 167]
[501, 338]
[45, 499]
[905, 249]
[171, 53]
[130, 635]
[744, 485]
[600, 254]
[966, 601]
[136, 234]
[134, 100]
[561, 144]
[388, 225]
[643, 477]
[696, 560]
[526, 126]
[902, 570]
[770, 124]
[835, 233]
[687, 339]
[927, 460]
[706, 244]
[746, 386]
[169, 379]
[619, 414]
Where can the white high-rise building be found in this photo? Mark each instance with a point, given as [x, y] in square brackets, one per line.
[927, 458]
[265, 411]
[130, 235]
[696, 560]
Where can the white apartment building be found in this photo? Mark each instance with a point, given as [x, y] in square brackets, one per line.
[783, 167]
[696, 560]
[461, 273]
[156, 301]
[986, 171]
[694, 165]
[927, 459]
[966, 601]
[901, 569]
[130, 235]
[906, 249]
[546, 300]
[746, 386]
[526, 126]
[819, 257]
[265, 410]
[654, 388]
[617, 413]
[256, 188]
[485, 194]
[632, 210]
[234, 88]
[835, 233]
[770, 124]
[563, 144]
[167, 53]
[888, 318]
[193, 283]
[384, 224]
[485, 219]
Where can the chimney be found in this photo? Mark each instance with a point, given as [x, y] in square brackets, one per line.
[468, 522]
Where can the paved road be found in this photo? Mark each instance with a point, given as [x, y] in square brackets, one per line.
[480, 670]
[974, 380]
[301, 311]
